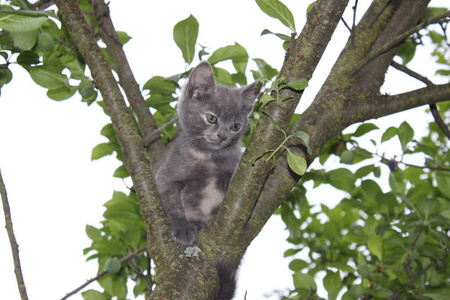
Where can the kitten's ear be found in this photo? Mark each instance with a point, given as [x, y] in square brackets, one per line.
[201, 81]
[249, 94]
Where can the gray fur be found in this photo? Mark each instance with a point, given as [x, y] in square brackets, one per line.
[204, 156]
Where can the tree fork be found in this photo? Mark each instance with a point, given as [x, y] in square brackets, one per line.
[301, 60]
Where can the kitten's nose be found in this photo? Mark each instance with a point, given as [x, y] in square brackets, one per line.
[222, 136]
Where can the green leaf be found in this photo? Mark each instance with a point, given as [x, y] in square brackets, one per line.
[364, 128]
[266, 99]
[389, 134]
[305, 138]
[28, 58]
[374, 244]
[407, 51]
[297, 85]
[24, 40]
[185, 35]
[297, 264]
[236, 53]
[405, 134]
[364, 270]
[107, 283]
[6, 42]
[357, 291]
[94, 295]
[93, 233]
[283, 37]
[102, 150]
[342, 179]
[296, 162]
[48, 78]
[397, 182]
[123, 37]
[161, 85]
[428, 207]
[121, 172]
[333, 284]
[304, 281]
[61, 93]
[5, 76]
[13, 22]
[290, 252]
[265, 69]
[277, 10]
[443, 183]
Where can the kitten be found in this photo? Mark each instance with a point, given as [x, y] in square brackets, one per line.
[195, 176]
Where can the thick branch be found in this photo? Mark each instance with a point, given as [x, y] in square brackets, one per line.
[12, 241]
[370, 71]
[399, 39]
[129, 140]
[147, 123]
[383, 105]
[301, 60]
[341, 102]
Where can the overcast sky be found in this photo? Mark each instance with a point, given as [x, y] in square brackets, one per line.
[55, 190]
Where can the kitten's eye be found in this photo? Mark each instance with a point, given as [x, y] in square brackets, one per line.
[211, 119]
[235, 127]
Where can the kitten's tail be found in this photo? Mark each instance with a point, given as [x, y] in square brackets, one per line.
[227, 280]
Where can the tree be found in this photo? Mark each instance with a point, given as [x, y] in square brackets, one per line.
[368, 226]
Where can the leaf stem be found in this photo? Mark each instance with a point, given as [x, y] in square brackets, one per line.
[286, 138]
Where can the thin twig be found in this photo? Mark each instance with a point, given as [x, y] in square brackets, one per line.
[101, 274]
[433, 108]
[148, 140]
[12, 241]
[146, 121]
[41, 5]
[420, 274]
[397, 41]
[384, 159]
[411, 73]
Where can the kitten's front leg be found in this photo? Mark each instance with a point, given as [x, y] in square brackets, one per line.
[182, 231]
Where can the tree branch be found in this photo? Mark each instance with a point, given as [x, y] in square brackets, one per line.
[12, 240]
[433, 108]
[383, 105]
[158, 231]
[103, 273]
[342, 102]
[147, 123]
[397, 40]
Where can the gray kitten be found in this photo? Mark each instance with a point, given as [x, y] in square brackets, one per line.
[198, 169]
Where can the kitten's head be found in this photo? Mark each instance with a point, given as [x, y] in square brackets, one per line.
[213, 115]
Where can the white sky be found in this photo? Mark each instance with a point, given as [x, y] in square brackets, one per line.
[55, 190]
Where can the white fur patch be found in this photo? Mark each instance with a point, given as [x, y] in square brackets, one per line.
[212, 197]
[200, 156]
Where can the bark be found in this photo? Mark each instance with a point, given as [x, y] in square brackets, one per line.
[349, 95]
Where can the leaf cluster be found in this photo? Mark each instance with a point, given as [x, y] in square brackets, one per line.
[378, 242]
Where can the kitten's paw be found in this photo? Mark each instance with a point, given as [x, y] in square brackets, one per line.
[185, 234]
